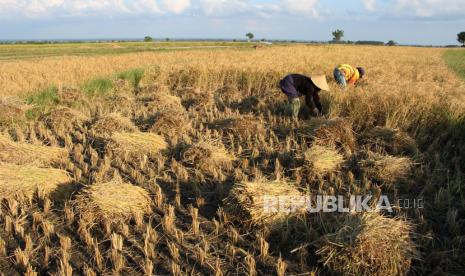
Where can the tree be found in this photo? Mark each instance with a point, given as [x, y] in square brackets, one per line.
[148, 39]
[249, 36]
[391, 43]
[338, 35]
[461, 38]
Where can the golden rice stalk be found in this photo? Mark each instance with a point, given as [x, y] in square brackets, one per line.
[385, 168]
[25, 180]
[369, 244]
[242, 126]
[13, 110]
[208, 158]
[323, 160]
[171, 123]
[135, 145]
[195, 98]
[105, 126]
[64, 119]
[113, 201]
[160, 101]
[255, 203]
[393, 141]
[334, 133]
[28, 154]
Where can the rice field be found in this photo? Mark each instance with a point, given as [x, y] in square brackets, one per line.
[160, 163]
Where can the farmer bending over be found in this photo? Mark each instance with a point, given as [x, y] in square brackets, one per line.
[296, 85]
[346, 74]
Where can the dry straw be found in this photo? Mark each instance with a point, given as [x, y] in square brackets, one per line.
[330, 132]
[241, 126]
[386, 168]
[12, 110]
[247, 202]
[208, 158]
[171, 123]
[64, 119]
[135, 145]
[392, 140]
[28, 154]
[25, 180]
[369, 244]
[322, 159]
[105, 126]
[114, 200]
[159, 101]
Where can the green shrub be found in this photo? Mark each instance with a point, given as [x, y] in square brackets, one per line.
[42, 102]
[133, 76]
[97, 87]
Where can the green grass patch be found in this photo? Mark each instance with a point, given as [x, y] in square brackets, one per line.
[42, 102]
[455, 59]
[97, 87]
[132, 76]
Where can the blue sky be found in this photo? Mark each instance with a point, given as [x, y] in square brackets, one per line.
[405, 21]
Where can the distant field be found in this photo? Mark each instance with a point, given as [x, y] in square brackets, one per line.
[456, 60]
[22, 51]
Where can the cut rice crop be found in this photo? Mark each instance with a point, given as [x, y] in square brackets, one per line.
[134, 145]
[369, 244]
[323, 160]
[114, 200]
[256, 203]
[105, 126]
[335, 132]
[24, 180]
[29, 154]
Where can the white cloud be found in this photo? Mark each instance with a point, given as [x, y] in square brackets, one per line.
[417, 8]
[224, 7]
[306, 7]
[176, 6]
[369, 5]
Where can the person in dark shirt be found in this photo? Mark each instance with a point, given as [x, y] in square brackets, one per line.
[297, 85]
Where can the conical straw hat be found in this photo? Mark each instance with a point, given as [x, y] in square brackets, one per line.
[320, 82]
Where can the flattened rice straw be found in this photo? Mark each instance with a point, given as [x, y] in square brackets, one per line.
[134, 145]
[29, 154]
[24, 180]
[114, 200]
[330, 132]
[322, 159]
[208, 158]
[105, 126]
[247, 202]
[369, 244]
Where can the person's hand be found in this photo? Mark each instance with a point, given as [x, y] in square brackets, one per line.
[316, 112]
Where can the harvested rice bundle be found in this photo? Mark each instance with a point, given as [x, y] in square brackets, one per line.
[105, 126]
[121, 103]
[64, 119]
[136, 145]
[28, 154]
[242, 126]
[13, 110]
[336, 132]
[25, 180]
[162, 101]
[170, 123]
[251, 104]
[228, 95]
[194, 98]
[369, 244]
[208, 158]
[393, 141]
[70, 96]
[322, 159]
[256, 203]
[385, 168]
[114, 201]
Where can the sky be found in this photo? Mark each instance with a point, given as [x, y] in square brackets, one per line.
[426, 22]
